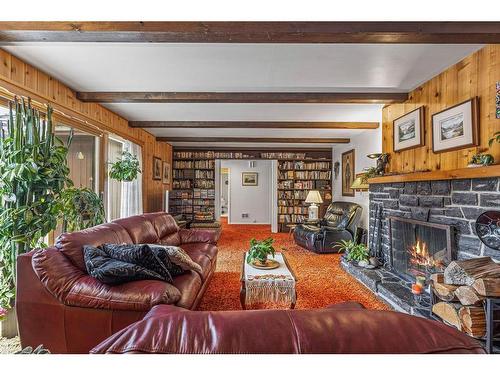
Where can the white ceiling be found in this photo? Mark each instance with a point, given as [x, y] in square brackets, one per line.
[243, 67]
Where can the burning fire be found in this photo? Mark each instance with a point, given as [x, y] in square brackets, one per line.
[420, 256]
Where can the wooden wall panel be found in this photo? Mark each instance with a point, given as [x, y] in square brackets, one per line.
[475, 75]
[24, 76]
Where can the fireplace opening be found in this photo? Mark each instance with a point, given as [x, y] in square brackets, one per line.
[419, 248]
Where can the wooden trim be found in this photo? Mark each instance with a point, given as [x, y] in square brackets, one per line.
[455, 174]
[422, 130]
[253, 124]
[252, 32]
[252, 140]
[475, 125]
[259, 150]
[242, 97]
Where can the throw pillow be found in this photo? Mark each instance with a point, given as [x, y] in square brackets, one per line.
[180, 258]
[112, 271]
[148, 256]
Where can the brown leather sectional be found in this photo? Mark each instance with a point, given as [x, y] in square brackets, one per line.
[345, 328]
[60, 306]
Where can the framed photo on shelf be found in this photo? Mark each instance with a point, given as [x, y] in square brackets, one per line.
[456, 127]
[156, 168]
[249, 178]
[409, 130]
[348, 174]
[166, 173]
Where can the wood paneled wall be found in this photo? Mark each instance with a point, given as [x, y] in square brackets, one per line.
[17, 74]
[476, 75]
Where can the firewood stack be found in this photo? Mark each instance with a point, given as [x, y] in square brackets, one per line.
[462, 288]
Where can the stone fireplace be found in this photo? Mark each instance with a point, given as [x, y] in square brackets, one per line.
[419, 248]
[423, 225]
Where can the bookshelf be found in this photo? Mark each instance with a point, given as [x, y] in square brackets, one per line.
[295, 178]
[193, 187]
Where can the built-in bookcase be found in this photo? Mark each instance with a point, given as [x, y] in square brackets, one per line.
[296, 177]
[193, 187]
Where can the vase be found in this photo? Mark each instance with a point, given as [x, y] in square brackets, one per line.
[8, 326]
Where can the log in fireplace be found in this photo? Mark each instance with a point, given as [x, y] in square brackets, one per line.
[419, 248]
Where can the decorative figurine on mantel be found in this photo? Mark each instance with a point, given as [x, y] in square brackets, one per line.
[382, 162]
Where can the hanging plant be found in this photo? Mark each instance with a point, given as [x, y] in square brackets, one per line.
[125, 169]
[81, 209]
[33, 174]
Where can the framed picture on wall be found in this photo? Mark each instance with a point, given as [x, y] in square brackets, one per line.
[409, 130]
[156, 168]
[166, 173]
[456, 127]
[249, 178]
[348, 175]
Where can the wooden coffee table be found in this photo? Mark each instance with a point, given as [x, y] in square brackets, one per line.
[276, 285]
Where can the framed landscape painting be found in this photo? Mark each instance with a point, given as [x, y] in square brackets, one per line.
[456, 127]
[409, 130]
[348, 175]
[249, 178]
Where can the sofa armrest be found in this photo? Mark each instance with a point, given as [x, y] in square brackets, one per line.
[199, 236]
[73, 287]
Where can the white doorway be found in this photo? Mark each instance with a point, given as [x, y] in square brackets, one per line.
[224, 192]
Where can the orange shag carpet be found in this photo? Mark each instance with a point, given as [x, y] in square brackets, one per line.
[321, 280]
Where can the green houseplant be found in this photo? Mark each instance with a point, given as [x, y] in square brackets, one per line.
[494, 138]
[354, 252]
[126, 168]
[81, 209]
[260, 250]
[33, 174]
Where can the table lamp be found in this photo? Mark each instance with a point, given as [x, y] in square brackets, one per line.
[313, 197]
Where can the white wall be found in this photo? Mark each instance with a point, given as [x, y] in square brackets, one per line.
[365, 143]
[254, 200]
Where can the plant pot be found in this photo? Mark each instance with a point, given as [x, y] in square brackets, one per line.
[261, 263]
[8, 326]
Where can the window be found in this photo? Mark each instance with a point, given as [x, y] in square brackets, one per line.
[123, 198]
[82, 157]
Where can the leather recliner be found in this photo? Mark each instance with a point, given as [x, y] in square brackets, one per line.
[61, 306]
[339, 223]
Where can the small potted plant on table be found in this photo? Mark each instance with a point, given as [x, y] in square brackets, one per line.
[259, 253]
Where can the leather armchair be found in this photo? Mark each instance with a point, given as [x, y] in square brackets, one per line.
[339, 223]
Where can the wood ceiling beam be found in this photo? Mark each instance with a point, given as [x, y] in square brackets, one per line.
[252, 32]
[252, 140]
[252, 125]
[241, 97]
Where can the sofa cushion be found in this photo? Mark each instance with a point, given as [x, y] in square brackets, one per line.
[206, 249]
[139, 295]
[166, 228]
[73, 287]
[71, 244]
[204, 264]
[139, 229]
[189, 284]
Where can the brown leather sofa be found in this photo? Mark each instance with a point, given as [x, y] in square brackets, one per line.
[60, 306]
[339, 329]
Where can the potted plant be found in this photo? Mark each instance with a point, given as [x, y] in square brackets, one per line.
[355, 252]
[481, 160]
[126, 168]
[494, 138]
[259, 251]
[81, 209]
[33, 174]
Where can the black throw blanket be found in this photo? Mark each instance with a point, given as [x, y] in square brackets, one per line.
[117, 264]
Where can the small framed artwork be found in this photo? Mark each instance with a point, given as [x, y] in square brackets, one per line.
[156, 168]
[166, 173]
[456, 127]
[348, 175]
[249, 178]
[409, 130]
